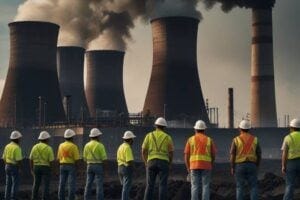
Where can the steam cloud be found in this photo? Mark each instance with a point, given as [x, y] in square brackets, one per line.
[106, 24]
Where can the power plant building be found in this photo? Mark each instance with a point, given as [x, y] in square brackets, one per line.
[174, 90]
[70, 64]
[104, 83]
[31, 93]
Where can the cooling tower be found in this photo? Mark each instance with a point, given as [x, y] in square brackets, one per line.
[104, 82]
[32, 76]
[174, 90]
[263, 104]
[70, 62]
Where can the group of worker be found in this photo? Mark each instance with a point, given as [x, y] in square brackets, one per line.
[157, 154]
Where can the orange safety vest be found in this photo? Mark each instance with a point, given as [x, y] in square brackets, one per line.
[245, 148]
[200, 152]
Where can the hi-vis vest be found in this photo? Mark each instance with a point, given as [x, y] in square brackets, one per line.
[293, 142]
[245, 148]
[158, 145]
[200, 149]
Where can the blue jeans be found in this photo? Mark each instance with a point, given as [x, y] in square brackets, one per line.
[125, 175]
[246, 173]
[198, 176]
[41, 173]
[94, 171]
[67, 173]
[12, 181]
[292, 172]
[161, 168]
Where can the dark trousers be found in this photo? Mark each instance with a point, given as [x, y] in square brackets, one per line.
[41, 174]
[12, 181]
[292, 172]
[125, 175]
[160, 168]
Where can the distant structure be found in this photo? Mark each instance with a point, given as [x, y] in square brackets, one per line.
[263, 103]
[230, 108]
[104, 83]
[31, 93]
[70, 62]
[174, 90]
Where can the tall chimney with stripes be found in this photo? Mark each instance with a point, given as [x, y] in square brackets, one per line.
[263, 103]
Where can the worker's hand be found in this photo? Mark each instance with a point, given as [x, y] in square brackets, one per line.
[283, 170]
[232, 171]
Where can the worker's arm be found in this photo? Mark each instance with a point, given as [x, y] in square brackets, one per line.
[187, 161]
[232, 158]
[284, 160]
[31, 166]
[145, 155]
[213, 153]
[258, 155]
[170, 157]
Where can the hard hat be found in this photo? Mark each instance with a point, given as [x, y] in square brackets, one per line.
[200, 125]
[161, 122]
[128, 135]
[44, 135]
[69, 133]
[245, 124]
[295, 123]
[15, 135]
[95, 132]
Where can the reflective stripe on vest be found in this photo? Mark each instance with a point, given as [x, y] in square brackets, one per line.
[294, 145]
[39, 159]
[200, 149]
[94, 158]
[157, 150]
[245, 148]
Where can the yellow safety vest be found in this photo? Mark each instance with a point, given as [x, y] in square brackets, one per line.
[293, 142]
[41, 154]
[12, 153]
[124, 154]
[245, 148]
[200, 148]
[94, 152]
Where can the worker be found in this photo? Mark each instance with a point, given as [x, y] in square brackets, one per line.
[199, 156]
[157, 154]
[245, 156]
[291, 158]
[68, 156]
[41, 158]
[125, 163]
[12, 157]
[94, 155]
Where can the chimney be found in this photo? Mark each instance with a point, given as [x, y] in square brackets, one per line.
[174, 89]
[104, 81]
[230, 108]
[32, 75]
[263, 103]
[70, 62]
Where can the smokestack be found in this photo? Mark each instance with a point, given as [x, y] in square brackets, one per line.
[104, 81]
[263, 104]
[70, 62]
[174, 89]
[230, 108]
[32, 75]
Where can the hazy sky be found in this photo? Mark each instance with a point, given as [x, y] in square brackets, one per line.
[224, 49]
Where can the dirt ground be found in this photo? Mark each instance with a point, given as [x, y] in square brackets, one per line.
[271, 183]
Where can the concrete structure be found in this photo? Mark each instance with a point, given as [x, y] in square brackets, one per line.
[174, 90]
[230, 108]
[263, 103]
[70, 62]
[31, 90]
[104, 83]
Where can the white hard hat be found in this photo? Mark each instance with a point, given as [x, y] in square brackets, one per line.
[161, 122]
[44, 135]
[15, 135]
[69, 133]
[200, 125]
[128, 135]
[245, 124]
[295, 123]
[95, 132]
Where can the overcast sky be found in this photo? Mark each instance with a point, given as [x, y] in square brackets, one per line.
[224, 49]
